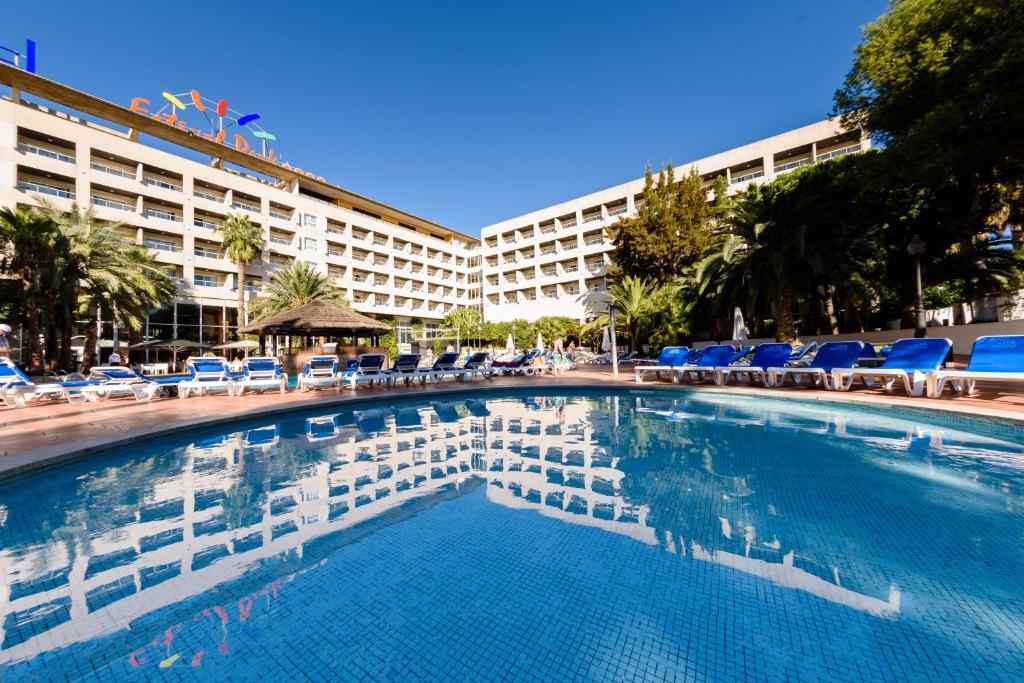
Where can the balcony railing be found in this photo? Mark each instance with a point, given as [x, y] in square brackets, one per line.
[789, 166]
[200, 223]
[43, 152]
[207, 253]
[335, 252]
[111, 170]
[619, 211]
[568, 224]
[336, 231]
[274, 239]
[207, 196]
[592, 219]
[207, 281]
[161, 245]
[747, 176]
[163, 215]
[839, 152]
[242, 206]
[51, 190]
[279, 215]
[155, 182]
[594, 241]
[112, 204]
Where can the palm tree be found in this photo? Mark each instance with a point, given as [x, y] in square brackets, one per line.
[296, 284]
[634, 299]
[759, 257]
[243, 244]
[103, 273]
[26, 243]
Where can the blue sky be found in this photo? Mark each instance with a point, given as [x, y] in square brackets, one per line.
[468, 113]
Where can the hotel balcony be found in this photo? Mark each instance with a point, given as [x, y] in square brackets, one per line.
[58, 189]
[47, 156]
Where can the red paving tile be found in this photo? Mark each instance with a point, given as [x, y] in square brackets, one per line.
[49, 432]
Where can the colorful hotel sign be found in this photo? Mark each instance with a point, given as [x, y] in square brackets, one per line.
[220, 120]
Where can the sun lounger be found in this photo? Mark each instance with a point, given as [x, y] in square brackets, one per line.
[909, 361]
[711, 357]
[444, 365]
[369, 368]
[320, 372]
[829, 356]
[520, 365]
[671, 356]
[17, 390]
[263, 437]
[260, 373]
[206, 374]
[406, 367]
[765, 356]
[993, 359]
[475, 365]
[115, 380]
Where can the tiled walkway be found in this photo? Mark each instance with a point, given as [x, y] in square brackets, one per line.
[50, 432]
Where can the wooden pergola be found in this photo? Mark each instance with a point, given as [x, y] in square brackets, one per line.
[317, 319]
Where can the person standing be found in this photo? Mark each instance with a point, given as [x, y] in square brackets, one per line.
[114, 358]
[559, 349]
[5, 341]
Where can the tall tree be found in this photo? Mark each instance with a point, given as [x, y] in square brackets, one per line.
[26, 243]
[941, 83]
[101, 273]
[296, 284]
[243, 244]
[466, 321]
[670, 229]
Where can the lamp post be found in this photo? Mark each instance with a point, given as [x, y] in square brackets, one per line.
[917, 247]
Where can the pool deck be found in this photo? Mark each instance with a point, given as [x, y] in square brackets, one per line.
[50, 433]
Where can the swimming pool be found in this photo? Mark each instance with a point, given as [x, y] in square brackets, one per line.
[607, 535]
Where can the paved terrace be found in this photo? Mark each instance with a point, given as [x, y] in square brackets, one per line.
[49, 433]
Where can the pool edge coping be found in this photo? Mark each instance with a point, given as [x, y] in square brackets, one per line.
[26, 462]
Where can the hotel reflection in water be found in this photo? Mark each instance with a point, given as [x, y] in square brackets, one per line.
[108, 554]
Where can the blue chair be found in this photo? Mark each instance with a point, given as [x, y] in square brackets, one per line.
[829, 356]
[406, 366]
[369, 368]
[206, 374]
[993, 359]
[909, 361]
[17, 389]
[320, 372]
[475, 365]
[765, 356]
[670, 357]
[115, 380]
[711, 357]
[260, 373]
[443, 365]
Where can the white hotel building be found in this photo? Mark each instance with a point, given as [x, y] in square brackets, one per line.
[554, 261]
[171, 189]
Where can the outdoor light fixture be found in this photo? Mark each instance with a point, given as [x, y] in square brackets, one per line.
[917, 247]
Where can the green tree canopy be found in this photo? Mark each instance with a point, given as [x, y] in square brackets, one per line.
[670, 229]
[296, 284]
[243, 244]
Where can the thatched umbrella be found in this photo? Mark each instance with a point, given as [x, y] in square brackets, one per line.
[317, 319]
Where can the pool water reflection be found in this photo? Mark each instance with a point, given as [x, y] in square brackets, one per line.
[601, 536]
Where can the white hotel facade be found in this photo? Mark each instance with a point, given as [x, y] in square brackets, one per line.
[170, 190]
[554, 261]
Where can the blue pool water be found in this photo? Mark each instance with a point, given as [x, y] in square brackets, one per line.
[594, 536]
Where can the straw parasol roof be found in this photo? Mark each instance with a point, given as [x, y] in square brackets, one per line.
[317, 318]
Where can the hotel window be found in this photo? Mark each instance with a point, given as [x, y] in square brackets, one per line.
[308, 220]
[403, 330]
[311, 245]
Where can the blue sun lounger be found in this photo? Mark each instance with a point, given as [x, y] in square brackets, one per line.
[115, 380]
[993, 359]
[320, 372]
[670, 357]
[765, 356]
[829, 356]
[475, 365]
[521, 364]
[17, 390]
[909, 361]
[321, 428]
[406, 366]
[711, 357]
[444, 365]
[207, 374]
[260, 373]
[369, 368]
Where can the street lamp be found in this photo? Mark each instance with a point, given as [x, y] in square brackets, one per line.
[917, 247]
